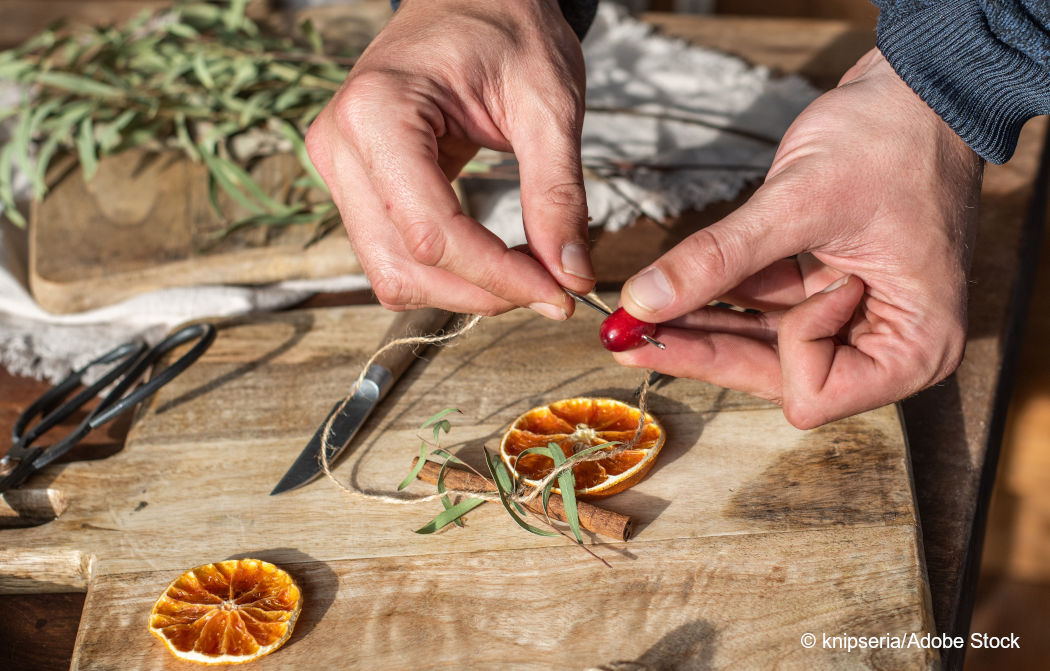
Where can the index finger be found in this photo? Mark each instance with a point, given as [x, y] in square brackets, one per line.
[402, 160]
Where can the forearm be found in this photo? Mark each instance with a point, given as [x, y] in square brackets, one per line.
[982, 65]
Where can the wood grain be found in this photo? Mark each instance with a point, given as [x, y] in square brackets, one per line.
[25, 623]
[144, 222]
[745, 523]
[704, 603]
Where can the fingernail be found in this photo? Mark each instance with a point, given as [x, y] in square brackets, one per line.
[835, 285]
[549, 311]
[650, 289]
[576, 260]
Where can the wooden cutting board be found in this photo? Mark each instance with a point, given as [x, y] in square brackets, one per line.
[749, 533]
[144, 222]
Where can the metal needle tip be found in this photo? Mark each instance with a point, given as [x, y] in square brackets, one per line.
[590, 303]
[654, 341]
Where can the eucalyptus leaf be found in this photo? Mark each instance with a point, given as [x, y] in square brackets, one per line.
[289, 132]
[222, 174]
[438, 416]
[183, 30]
[78, 84]
[312, 36]
[200, 68]
[416, 468]
[450, 515]
[441, 490]
[43, 158]
[108, 134]
[190, 77]
[504, 488]
[86, 148]
[567, 485]
[7, 196]
[448, 456]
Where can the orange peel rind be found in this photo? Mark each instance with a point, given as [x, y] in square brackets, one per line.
[229, 612]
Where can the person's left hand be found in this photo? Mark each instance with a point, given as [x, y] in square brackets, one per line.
[855, 249]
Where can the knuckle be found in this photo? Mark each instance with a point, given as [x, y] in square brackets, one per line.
[356, 102]
[568, 194]
[951, 353]
[564, 103]
[312, 139]
[709, 253]
[801, 416]
[425, 242]
[491, 278]
[392, 289]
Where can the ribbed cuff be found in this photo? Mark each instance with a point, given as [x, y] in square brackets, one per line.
[983, 88]
[578, 13]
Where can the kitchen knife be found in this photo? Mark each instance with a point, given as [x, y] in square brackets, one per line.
[379, 378]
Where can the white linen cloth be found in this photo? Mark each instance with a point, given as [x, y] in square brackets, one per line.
[664, 104]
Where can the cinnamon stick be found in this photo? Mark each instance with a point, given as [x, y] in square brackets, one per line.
[599, 520]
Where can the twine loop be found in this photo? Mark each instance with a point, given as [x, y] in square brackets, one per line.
[524, 493]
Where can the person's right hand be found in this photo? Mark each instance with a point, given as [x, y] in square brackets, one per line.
[442, 79]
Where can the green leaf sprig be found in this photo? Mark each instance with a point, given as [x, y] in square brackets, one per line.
[194, 77]
[508, 486]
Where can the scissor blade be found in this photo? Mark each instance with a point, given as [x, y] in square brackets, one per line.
[348, 420]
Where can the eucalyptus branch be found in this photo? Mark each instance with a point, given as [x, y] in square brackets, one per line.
[510, 490]
[194, 77]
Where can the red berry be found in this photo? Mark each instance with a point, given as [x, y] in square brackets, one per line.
[620, 331]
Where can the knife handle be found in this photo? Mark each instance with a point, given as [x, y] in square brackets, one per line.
[424, 321]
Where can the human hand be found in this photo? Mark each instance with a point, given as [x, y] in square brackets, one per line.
[856, 249]
[442, 79]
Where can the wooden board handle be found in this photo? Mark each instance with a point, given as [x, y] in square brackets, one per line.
[599, 520]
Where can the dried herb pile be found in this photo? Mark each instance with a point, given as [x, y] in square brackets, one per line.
[199, 77]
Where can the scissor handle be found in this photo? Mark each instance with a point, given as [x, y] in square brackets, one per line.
[115, 402]
[123, 355]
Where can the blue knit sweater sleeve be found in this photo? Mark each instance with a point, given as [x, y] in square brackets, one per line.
[578, 13]
[982, 65]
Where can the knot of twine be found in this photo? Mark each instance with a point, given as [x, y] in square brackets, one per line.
[523, 494]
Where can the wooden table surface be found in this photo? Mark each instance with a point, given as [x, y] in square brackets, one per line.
[954, 429]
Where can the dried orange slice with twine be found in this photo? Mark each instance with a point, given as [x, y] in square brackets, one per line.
[576, 424]
[228, 612]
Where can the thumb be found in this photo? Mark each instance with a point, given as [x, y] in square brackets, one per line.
[553, 199]
[715, 259]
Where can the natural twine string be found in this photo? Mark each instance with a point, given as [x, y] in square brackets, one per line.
[524, 494]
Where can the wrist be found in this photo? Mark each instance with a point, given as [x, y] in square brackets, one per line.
[902, 101]
[976, 63]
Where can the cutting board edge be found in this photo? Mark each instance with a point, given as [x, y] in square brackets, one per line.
[922, 612]
[238, 267]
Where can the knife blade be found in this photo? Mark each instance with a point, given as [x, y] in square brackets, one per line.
[378, 380]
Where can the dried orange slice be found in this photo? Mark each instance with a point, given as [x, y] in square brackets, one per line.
[228, 612]
[579, 423]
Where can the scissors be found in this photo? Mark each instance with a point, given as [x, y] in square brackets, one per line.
[127, 364]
